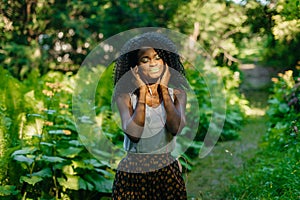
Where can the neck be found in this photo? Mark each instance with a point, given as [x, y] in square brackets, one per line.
[152, 89]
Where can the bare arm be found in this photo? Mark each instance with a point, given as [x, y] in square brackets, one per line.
[132, 120]
[175, 110]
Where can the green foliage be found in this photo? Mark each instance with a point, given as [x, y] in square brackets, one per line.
[235, 107]
[135, 14]
[274, 173]
[50, 151]
[58, 35]
[52, 161]
[287, 20]
[278, 22]
[8, 190]
[41, 42]
[284, 104]
[210, 24]
[11, 117]
[235, 104]
[38, 137]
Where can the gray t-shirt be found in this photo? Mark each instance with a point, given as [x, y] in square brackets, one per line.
[155, 138]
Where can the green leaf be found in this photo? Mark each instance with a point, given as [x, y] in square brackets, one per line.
[31, 180]
[43, 173]
[89, 186]
[70, 152]
[101, 184]
[53, 159]
[25, 150]
[57, 132]
[185, 130]
[21, 158]
[36, 115]
[7, 190]
[284, 108]
[73, 182]
[63, 126]
[68, 169]
[82, 165]
[75, 143]
[273, 101]
[197, 144]
[96, 163]
[46, 144]
[105, 173]
[50, 112]
[101, 153]
[186, 165]
[71, 124]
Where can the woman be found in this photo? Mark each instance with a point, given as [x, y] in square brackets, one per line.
[149, 93]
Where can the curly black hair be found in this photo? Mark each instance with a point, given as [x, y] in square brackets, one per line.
[164, 47]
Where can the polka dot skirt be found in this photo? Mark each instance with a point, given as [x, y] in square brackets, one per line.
[146, 176]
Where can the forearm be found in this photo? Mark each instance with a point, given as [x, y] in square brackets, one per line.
[135, 125]
[174, 121]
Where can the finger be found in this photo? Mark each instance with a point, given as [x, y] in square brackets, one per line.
[167, 67]
[136, 69]
[133, 71]
[159, 80]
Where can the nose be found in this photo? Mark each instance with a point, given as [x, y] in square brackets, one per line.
[153, 62]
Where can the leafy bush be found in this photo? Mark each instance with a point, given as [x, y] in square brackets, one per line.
[275, 172]
[235, 106]
[53, 163]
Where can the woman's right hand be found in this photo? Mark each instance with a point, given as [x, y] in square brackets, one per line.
[138, 82]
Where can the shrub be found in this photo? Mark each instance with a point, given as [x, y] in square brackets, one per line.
[274, 173]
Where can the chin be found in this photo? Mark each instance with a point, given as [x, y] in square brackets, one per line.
[154, 78]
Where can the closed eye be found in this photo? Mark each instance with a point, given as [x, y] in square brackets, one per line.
[144, 59]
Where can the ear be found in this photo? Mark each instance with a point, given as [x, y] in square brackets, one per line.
[135, 68]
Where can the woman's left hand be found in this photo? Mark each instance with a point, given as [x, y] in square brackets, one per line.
[164, 80]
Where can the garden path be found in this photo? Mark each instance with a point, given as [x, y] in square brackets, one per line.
[212, 176]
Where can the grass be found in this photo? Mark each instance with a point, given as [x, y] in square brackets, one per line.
[213, 175]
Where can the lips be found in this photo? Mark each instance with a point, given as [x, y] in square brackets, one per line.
[154, 69]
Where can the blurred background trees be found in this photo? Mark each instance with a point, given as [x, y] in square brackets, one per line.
[45, 42]
[278, 24]
[57, 35]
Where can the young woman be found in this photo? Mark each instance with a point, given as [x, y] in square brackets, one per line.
[149, 94]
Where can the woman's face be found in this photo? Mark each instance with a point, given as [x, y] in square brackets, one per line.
[151, 66]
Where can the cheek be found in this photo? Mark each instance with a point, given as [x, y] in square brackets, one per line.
[142, 69]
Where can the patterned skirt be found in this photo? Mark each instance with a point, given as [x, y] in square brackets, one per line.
[146, 176]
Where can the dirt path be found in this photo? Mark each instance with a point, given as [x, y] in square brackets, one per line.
[212, 175]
